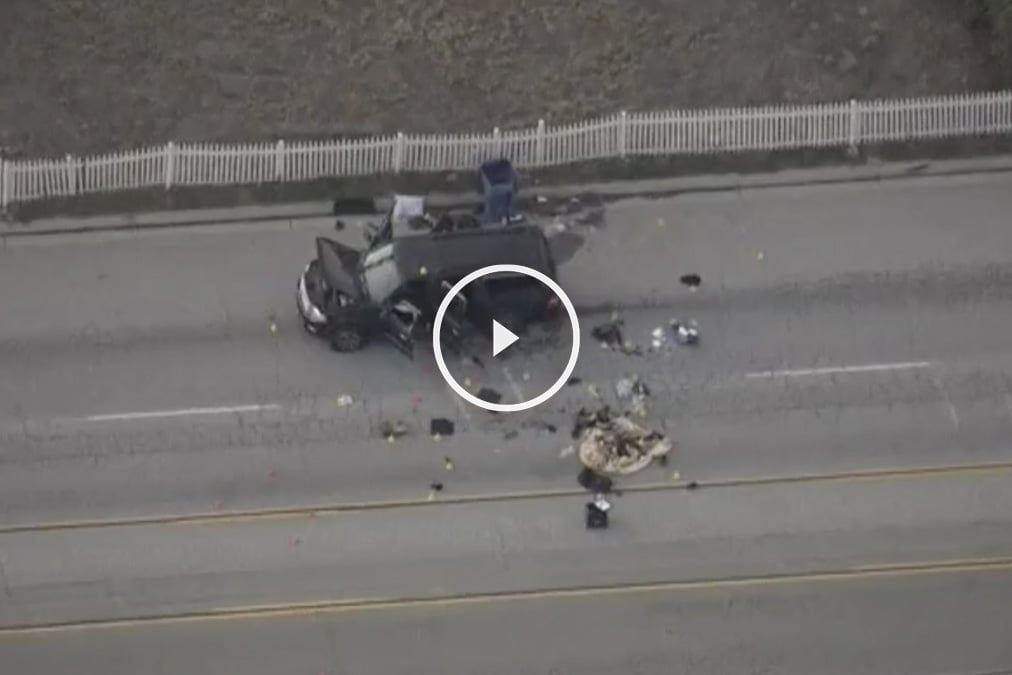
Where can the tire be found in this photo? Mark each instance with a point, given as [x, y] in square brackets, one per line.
[346, 339]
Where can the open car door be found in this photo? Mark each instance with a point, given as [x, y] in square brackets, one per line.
[402, 322]
[405, 321]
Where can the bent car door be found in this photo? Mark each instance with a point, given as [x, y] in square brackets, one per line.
[400, 320]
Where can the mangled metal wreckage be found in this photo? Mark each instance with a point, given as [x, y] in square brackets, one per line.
[613, 444]
[394, 286]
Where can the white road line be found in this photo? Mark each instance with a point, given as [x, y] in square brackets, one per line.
[840, 370]
[182, 412]
[517, 391]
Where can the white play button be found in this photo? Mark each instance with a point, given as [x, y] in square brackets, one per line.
[502, 337]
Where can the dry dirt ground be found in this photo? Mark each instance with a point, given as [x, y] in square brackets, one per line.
[84, 76]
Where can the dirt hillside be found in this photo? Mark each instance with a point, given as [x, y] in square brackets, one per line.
[81, 76]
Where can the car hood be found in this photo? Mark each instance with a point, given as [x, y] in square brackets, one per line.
[340, 266]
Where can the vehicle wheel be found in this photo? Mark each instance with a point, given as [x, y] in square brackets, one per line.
[346, 339]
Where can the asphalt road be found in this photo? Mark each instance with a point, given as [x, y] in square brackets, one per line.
[901, 575]
[132, 571]
[122, 330]
[926, 625]
[141, 376]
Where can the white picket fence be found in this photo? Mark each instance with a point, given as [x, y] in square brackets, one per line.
[727, 130]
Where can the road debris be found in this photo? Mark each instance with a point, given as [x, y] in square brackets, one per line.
[440, 426]
[686, 332]
[573, 380]
[633, 388]
[344, 400]
[393, 429]
[448, 464]
[691, 280]
[597, 513]
[489, 395]
[609, 333]
[435, 488]
[658, 339]
[611, 444]
[510, 435]
[631, 385]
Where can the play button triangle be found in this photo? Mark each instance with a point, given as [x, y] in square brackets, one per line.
[502, 337]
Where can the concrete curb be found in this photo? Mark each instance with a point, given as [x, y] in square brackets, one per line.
[610, 191]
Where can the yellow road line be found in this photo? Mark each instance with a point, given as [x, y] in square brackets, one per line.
[332, 607]
[199, 518]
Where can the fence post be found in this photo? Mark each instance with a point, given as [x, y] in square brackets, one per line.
[623, 134]
[497, 142]
[279, 162]
[170, 164]
[4, 182]
[539, 144]
[71, 175]
[854, 133]
[399, 153]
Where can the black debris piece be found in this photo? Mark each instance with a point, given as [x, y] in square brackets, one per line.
[510, 435]
[573, 380]
[587, 418]
[691, 280]
[339, 225]
[542, 425]
[436, 486]
[610, 333]
[441, 426]
[692, 485]
[594, 482]
[596, 517]
[489, 394]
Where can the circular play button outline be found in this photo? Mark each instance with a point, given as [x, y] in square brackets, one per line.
[437, 327]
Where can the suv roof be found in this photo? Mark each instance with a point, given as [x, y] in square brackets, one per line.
[456, 254]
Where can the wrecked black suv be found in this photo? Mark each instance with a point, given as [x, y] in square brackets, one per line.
[394, 287]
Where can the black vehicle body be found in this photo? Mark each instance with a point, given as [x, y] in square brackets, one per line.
[394, 287]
